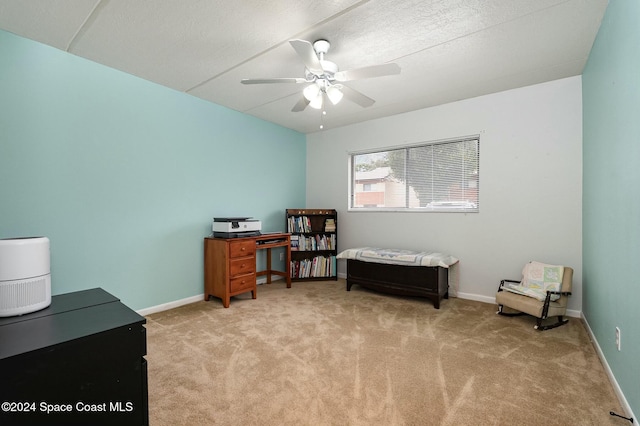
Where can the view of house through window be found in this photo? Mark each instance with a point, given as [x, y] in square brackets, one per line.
[438, 176]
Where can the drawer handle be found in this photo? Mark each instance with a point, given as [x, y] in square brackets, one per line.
[243, 249]
[242, 266]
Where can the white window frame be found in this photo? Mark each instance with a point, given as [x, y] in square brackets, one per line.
[471, 206]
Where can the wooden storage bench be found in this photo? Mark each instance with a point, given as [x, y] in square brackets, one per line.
[424, 281]
[400, 272]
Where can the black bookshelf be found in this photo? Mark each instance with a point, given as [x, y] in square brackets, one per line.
[314, 240]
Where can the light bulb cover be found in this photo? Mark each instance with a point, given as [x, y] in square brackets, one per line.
[316, 102]
[334, 94]
[311, 92]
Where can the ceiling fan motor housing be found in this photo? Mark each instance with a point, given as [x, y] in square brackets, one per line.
[321, 46]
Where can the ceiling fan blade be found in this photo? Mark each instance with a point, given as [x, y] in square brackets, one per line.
[357, 97]
[368, 72]
[301, 105]
[304, 49]
[272, 80]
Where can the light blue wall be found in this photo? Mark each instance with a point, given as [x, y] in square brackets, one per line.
[611, 201]
[124, 176]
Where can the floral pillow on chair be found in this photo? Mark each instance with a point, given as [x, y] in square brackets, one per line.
[537, 278]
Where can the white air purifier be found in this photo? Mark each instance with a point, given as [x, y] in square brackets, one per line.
[25, 275]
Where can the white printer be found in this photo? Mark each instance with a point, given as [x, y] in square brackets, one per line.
[235, 227]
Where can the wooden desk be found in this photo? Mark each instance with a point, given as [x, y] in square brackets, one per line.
[230, 264]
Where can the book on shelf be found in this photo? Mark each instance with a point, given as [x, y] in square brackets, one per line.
[299, 224]
[313, 243]
[294, 242]
[316, 267]
[330, 225]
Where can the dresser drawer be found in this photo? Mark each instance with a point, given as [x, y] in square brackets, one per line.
[242, 248]
[245, 282]
[241, 266]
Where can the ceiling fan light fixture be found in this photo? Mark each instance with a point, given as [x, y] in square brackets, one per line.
[311, 92]
[334, 94]
[316, 102]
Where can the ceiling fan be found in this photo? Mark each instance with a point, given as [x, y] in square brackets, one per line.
[323, 78]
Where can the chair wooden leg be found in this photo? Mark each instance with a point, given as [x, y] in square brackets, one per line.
[541, 327]
[508, 314]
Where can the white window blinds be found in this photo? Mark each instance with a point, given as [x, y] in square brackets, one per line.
[440, 176]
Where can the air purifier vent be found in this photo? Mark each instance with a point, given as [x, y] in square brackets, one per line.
[25, 294]
[25, 275]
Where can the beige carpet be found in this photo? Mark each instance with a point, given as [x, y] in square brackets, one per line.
[316, 354]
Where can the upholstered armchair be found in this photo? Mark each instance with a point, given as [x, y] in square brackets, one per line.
[543, 293]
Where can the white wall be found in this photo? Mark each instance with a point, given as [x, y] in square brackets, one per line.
[530, 184]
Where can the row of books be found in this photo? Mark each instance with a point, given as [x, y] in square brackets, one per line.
[298, 224]
[318, 266]
[313, 242]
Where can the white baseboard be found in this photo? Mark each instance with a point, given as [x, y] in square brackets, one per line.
[477, 298]
[574, 314]
[170, 305]
[492, 300]
[263, 280]
[628, 412]
[188, 300]
[488, 299]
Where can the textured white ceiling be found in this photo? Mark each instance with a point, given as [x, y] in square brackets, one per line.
[447, 49]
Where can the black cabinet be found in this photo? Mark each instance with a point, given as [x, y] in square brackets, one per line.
[78, 362]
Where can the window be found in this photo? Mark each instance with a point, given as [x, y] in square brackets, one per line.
[440, 176]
